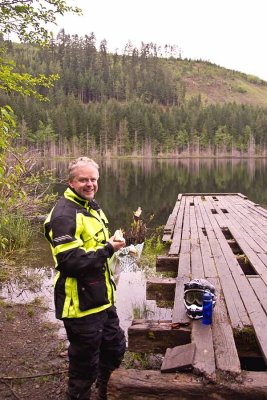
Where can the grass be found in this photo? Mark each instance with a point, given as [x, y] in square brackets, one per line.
[16, 232]
[141, 361]
[153, 247]
[141, 311]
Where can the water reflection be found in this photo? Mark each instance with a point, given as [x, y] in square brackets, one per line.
[154, 184]
[37, 283]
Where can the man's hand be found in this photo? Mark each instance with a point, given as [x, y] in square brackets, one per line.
[117, 244]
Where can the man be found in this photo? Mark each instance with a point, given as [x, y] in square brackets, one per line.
[77, 230]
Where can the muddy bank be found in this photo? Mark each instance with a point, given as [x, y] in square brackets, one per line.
[33, 361]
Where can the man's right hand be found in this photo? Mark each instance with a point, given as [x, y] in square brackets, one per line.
[117, 245]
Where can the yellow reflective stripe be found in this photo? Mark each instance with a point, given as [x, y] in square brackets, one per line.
[67, 246]
[56, 278]
[71, 305]
[68, 290]
[75, 297]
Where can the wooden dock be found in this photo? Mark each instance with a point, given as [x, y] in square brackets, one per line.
[221, 237]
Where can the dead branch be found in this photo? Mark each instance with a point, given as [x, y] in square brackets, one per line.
[11, 378]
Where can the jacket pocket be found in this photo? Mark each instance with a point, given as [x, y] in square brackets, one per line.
[92, 293]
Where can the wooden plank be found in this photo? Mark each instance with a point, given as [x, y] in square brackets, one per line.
[207, 225]
[208, 194]
[169, 227]
[167, 263]
[246, 227]
[179, 315]
[207, 257]
[235, 307]
[197, 270]
[156, 337]
[253, 258]
[204, 361]
[242, 196]
[179, 358]
[184, 259]
[148, 384]
[259, 321]
[253, 213]
[255, 312]
[226, 356]
[260, 290]
[176, 240]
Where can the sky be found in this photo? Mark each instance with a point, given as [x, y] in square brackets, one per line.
[229, 33]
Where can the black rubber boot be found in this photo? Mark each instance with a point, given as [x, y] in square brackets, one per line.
[86, 396]
[102, 384]
[81, 391]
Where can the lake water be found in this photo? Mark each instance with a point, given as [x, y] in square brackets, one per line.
[153, 185]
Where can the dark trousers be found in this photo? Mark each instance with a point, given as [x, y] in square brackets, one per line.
[97, 346]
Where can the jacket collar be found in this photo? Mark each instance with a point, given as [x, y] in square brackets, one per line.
[70, 194]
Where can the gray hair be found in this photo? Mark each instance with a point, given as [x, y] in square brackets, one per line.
[78, 162]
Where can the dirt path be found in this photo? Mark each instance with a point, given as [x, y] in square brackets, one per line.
[30, 346]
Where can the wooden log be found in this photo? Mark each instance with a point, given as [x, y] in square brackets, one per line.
[167, 263]
[160, 288]
[156, 337]
[148, 384]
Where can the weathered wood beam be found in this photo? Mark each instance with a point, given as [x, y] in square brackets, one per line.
[148, 384]
[204, 361]
[160, 288]
[167, 264]
[179, 315]
[156, 336]
[226, 356]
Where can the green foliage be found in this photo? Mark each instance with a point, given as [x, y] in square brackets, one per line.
[141, 311]
[15, 231]
[28, 19]
[136, 360]
[21, 190]
[144, 102]
[222, 137]
[240, 89]
[137, 232]
[22, 83]
[153, 246]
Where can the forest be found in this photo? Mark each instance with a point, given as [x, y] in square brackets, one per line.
[133, 104]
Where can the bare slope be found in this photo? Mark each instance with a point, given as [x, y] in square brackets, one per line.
[220, 85]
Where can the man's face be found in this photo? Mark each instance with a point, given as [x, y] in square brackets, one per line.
[85, 181]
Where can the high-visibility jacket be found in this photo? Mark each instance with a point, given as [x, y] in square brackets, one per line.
[78, 232]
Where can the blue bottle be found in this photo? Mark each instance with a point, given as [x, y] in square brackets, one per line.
[207, 308]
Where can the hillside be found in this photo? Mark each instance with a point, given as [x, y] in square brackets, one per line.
[220, 85]
[137, 103]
